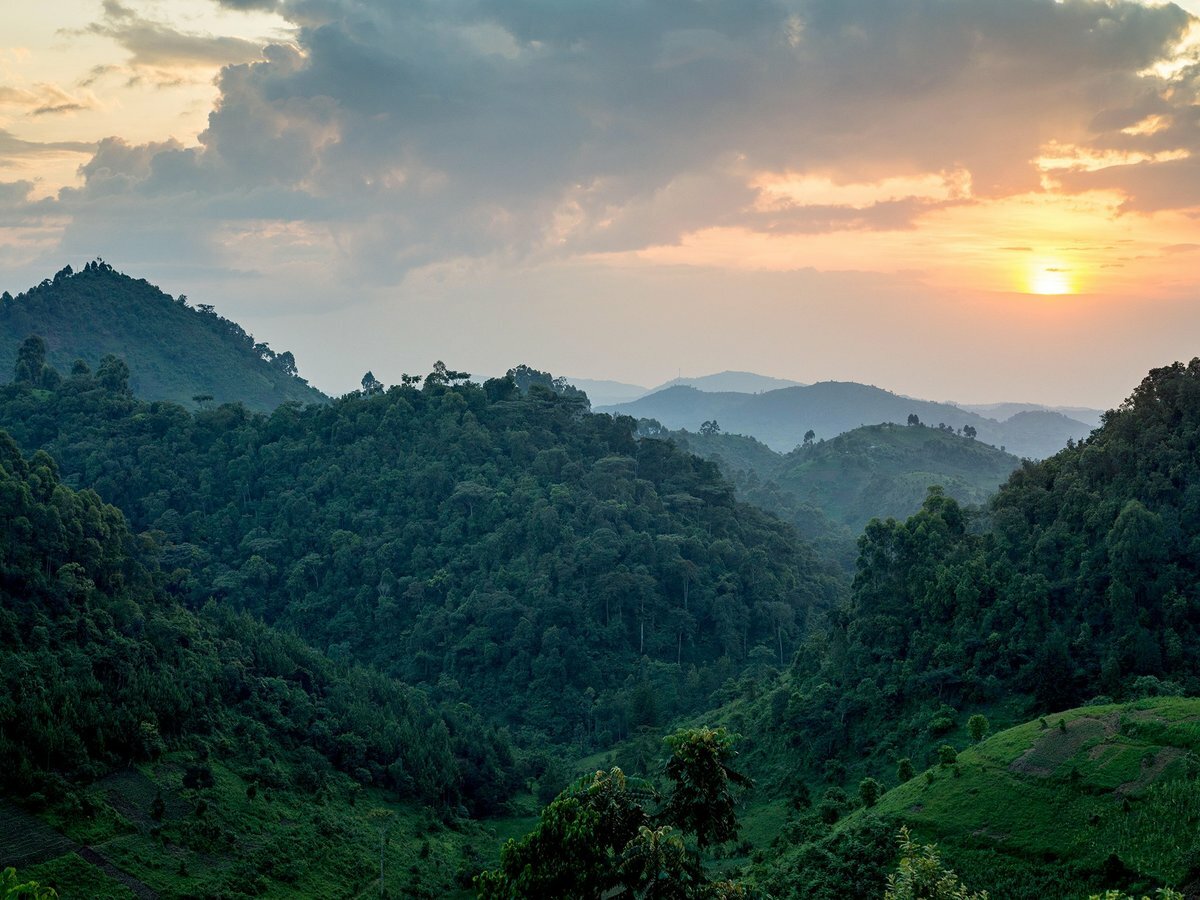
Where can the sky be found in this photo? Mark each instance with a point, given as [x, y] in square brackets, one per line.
[975, 200]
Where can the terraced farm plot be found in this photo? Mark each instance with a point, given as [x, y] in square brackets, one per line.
[1112, 787]
[1055, 746]
[24, 839]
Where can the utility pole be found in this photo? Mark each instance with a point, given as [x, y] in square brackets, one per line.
[382, 819]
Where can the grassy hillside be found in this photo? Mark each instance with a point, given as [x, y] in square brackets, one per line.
[174, 351]
[1064, 806]
[780, 418]
[1100, 796]
[114, 841]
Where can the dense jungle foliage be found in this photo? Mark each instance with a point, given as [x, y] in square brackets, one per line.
[100, 668]
[1079, 580]
[475, 539]
[175, 351]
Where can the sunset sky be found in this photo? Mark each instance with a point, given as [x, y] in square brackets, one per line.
[957, 199]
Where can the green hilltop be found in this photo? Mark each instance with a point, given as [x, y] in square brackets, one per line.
[830, 489]
[174, 351]
[1098, 796]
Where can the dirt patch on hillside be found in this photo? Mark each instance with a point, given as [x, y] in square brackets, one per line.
[1152, 767]
[1055, 746]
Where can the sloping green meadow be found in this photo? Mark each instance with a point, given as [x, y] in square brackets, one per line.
[1104, 789]
[232, 840]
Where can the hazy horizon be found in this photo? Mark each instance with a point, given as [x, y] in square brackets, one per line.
[998, 201]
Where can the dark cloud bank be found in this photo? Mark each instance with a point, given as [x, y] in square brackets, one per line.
[408, 133]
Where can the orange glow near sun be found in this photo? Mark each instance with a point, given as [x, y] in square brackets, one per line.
[1050, 279]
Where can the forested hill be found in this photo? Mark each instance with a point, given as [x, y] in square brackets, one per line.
[174, 351]
[831, 489]
[1081, 579]
[486, 543]
[102, 668]
[781, 418]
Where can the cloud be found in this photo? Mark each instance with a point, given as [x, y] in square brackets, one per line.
[45, 99]
[13, 146]
[245, 5]
[156, 45]
[393, 136]
[13, 194]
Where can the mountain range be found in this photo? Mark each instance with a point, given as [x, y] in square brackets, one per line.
[781, 418]
[608, 393]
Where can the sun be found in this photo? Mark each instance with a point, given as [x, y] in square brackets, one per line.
[1050, 279]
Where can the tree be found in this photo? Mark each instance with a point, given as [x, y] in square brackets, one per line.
[978, 727]
[31, 361]
[969, 432]
[922, 875]
[285, 362]
[443, 375]
[710, 427]
[809, 437]
[113, 374]
[576, 848]
[657, 864]
[600, 837]
[947, 755]
[371, 384]
[868, 791]
[702, 800]
[914, 419]
[904, 770]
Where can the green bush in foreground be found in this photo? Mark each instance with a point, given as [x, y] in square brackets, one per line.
[922, 874]
[12, 888]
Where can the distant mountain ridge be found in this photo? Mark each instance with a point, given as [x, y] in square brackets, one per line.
[1002, 412]
[608, 393]
[174, 351]
[603, 392]
[780, 418]
[730, 382]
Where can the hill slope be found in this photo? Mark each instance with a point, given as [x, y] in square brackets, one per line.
[467, 537]
[185, 750]
[878, 471]
[780, 418]
[885, 471]
[1108, 799]
[174, 352]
